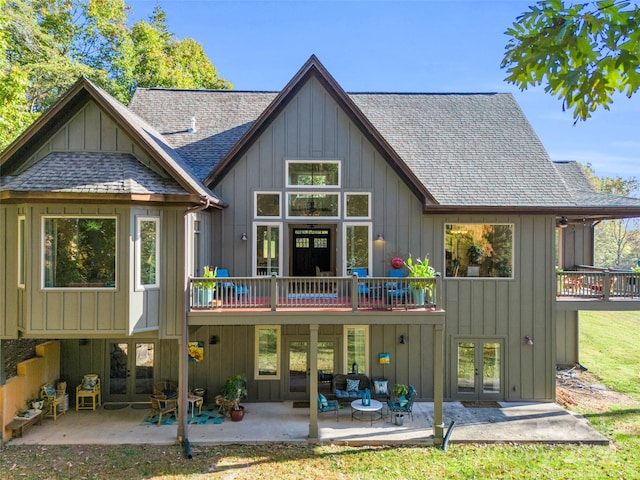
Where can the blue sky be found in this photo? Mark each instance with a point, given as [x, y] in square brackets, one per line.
[396, 46]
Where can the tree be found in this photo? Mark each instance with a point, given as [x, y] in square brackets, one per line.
[617, 242]
[582, 53]
[48, 44]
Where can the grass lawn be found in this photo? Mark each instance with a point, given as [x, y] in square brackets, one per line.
[610, 349]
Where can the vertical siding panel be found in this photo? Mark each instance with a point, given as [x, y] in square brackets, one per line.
[107, 134]
[92, 128]
[317, 120]
[76, 132]
[330, 120]
[528, 292]
[59, 140]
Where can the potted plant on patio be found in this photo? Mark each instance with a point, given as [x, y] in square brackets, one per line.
[203, 290]
[419, 269]
[233, 390]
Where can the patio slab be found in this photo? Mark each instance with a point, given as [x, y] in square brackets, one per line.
[280, 422]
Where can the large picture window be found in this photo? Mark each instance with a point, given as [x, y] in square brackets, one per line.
[79, 252]
[313, 205]
[267, 352]
[267, 249]
[357, 244]
[147, 252]
[267, 204]
[303, 173]
[479, 250]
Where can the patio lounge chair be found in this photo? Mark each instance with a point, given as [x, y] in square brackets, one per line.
[238, 290]
[325, 405]
[162, 406]
[399, 406]
[396, 291]
[363, 287]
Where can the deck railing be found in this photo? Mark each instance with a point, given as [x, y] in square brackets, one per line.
[598, 284]
[276, 293]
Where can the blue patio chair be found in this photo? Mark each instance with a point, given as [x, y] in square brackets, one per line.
[363, 287]
[402, 406]
[325, 405]
[239, 290]
[396, 291]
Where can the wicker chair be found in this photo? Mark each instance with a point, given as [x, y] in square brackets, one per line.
[167, 389]
[162, 406]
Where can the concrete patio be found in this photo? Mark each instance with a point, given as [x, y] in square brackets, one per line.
[280, 422]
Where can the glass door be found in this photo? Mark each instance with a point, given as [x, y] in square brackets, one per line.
[131, 371]
[297, 381]
[479, 369]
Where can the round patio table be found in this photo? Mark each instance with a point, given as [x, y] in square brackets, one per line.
[374, 409]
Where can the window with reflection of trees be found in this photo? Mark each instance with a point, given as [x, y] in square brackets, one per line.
[479, 250]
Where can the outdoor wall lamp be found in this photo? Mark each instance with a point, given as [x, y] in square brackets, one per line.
[380, 237]
[563, 222]
[214, 340]
[403, 340]
[243, 237]
[528, 340]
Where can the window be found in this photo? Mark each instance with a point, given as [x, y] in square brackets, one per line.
[267, 352]
[357, 205]
[313, 205]
[267, 205]
[21, 251]
[357, 244]
[147, 251]
[356, 344]
[313, 173]
[479, 250]
[267, 249]
[79, 252]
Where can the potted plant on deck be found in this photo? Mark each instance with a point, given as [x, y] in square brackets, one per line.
[419, 269]
[204, 289]
[233, 390]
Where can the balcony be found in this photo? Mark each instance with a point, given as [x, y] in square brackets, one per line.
[602, 289]
[313, 293]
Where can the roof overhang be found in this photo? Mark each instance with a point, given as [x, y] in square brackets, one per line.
[13, 197]
[573, 214]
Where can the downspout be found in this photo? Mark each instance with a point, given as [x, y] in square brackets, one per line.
[183, 434]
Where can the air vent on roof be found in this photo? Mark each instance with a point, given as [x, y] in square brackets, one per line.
[193, 128]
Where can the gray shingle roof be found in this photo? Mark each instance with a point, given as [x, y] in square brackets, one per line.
[84, 172]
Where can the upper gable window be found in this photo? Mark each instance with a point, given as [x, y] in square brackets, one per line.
[479, 250]
[267, 204]
[325, 205]
[357, 205]
[79, 252]
[305, 173]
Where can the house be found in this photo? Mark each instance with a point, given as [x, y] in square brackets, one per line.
[110, 213]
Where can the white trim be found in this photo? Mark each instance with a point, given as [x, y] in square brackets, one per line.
[345, 226]
[513, 250]
[307, 219]
[256, 372]
[137, 260]
[43, 219]
[255, 204]
[367, 360]
[22, 251]
[286, 173]
[368, 194]
[254, 245]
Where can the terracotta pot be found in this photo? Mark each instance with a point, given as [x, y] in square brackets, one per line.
[237, 415]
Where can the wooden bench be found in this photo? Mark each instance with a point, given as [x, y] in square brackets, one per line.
[19, 425]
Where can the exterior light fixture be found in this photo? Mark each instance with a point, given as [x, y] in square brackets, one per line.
[403, 340]
[528, 340]
[214, 340]
[243, 237]
[380, 237]
[563, 222]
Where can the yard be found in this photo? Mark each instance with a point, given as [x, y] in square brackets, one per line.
[609, 351]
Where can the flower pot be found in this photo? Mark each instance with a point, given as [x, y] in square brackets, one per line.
[418, 296]
[203, 297]
[37, 404]
[237, 415]
[398, 419]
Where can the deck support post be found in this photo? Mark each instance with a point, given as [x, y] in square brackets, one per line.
[313, 380]
[438, 383]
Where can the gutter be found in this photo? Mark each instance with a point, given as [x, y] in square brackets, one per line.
[183, 390]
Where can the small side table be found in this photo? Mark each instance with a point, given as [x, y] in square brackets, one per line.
[195, 401]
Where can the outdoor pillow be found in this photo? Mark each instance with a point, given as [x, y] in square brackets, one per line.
[402, 401]
[49, 390]
[89, 381]
[352, 384]
[323, 400]
[342, 394]
[381, 387]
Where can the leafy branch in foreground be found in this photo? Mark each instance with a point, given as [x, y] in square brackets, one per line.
[582, 53]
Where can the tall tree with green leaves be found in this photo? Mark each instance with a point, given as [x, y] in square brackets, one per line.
[583, 53]
[47, 45]
[617, 242]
